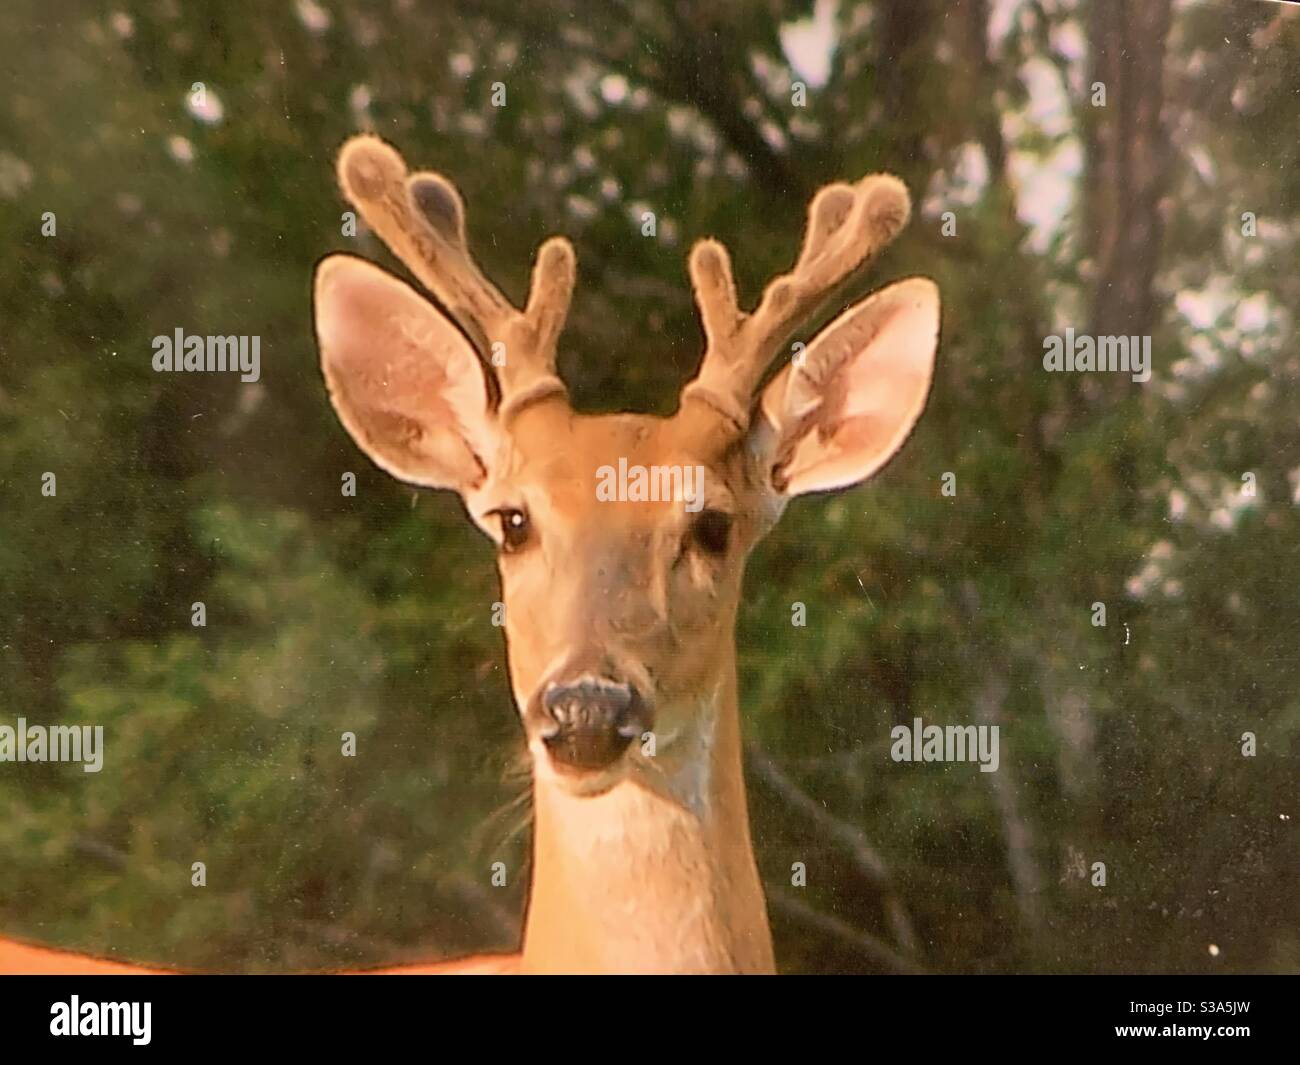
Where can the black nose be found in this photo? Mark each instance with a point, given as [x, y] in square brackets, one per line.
[591, 721]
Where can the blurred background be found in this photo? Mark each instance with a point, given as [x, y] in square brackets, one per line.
[206, 211]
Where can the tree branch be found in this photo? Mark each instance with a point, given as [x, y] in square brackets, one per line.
[864, 857]
[834, 928]
[688, 71]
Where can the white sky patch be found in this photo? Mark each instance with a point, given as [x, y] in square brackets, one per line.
[773, 134]
[1208, 500]
[15, 176]
[359, 100]
[205, 105]
[1068, 39]
[1049, 107]
[314, 17]
[809, 43]
[1225, 517]
[1253, 314]
[1153, 570]
[971, 174]
[1002, 17]
[1177, 505]
[774, 77]
[685, 124]
[1045, 183]
[180, 149]
[613, 88]
[581, 86]
[1045, 189]
[582, 208]
[1203, 307]
[963, 187]
[1226, 323]
[1202, 163]
[472, 124]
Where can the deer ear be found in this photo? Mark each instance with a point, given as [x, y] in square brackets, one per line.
[837, 413]
[404, 381]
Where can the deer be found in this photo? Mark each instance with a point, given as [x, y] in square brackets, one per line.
[619, 614]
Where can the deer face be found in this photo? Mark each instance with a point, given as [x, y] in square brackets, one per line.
[619, 547]
[621, 538]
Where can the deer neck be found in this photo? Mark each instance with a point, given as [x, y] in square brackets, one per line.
[657, 874]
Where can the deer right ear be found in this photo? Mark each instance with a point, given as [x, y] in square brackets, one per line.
[834, 417]
[405, 383]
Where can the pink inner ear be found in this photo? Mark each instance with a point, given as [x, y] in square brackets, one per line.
[863, 387]
[892, 376]
[405, 383]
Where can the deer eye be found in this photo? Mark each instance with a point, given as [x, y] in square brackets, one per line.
[515, 528]
[710, 532]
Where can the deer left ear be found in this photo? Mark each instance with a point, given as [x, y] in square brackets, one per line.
[403, 380]
[841, 409]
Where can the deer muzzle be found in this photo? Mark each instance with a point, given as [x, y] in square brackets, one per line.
[587, 723]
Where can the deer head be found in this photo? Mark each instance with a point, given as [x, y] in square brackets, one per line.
[620, 589]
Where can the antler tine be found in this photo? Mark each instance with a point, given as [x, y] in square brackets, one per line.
[549, 297]
[422, 220]
[847, 224]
